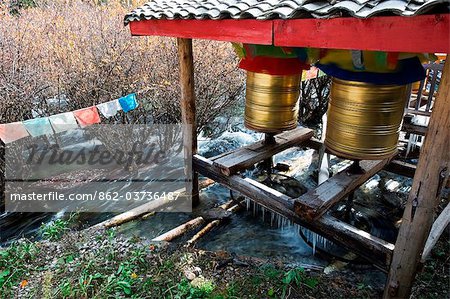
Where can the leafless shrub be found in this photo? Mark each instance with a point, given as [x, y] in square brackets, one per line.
[79, 54]
[314, 100]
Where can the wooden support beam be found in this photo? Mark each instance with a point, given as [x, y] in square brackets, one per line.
[373, 249]
[415, 129]
[316, 202]
[186, 62]
[430, 175]
[418, 112]
[245, 157]
[436, 231]
[401, 168]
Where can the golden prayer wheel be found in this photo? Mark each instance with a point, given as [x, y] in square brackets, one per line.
[271, 104]
[364, 119]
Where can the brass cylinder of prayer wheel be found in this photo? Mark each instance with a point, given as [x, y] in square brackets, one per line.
[271, 102]
[364, 119]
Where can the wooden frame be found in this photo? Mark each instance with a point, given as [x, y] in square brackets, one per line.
[375, 250]
[423, 33]
[426, 33]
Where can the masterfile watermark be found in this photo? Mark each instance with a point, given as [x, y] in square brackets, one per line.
[101, 168]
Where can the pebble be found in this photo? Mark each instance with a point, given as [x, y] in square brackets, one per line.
[190, 275]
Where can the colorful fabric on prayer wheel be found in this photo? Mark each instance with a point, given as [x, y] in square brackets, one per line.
[273, 66]
[407, 71]
[369, 61]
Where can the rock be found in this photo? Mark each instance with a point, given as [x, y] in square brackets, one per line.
[197, 270]
[189, 275]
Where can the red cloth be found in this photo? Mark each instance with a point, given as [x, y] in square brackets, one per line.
[272, 65]
[87, 116]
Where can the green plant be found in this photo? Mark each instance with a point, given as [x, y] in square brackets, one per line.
[186, 290]
[14, 263]
[54, 230]
[297, 277]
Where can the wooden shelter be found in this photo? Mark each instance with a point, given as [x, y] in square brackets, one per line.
[392, 26]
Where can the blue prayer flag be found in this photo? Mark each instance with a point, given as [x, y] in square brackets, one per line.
[128, 102]
[38, 126]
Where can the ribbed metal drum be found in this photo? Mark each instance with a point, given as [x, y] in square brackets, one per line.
[271, 104]
[364, 119]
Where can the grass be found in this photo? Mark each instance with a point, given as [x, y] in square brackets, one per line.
[115, 270]
[106, 265]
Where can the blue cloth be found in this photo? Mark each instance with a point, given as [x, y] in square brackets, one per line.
[38, 126]
[128, 102]
[408, 71]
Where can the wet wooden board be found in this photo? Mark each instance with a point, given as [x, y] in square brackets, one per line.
[415, 129]
[401, 168]
[316, 202]
[245, 157]
[373, 249]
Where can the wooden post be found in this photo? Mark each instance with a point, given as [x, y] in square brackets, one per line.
[188, 114]
[429, 177]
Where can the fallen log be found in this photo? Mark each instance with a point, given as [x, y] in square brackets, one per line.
[180, 230]
[210, 226]
[144, 209]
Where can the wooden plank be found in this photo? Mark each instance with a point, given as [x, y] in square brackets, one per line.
[401, 168]
[316, 202]
[415, 129]
[245, 157]
[188, 118]
[436, 231]
[248, 31]
[418, 112]
[375, 250]
[424, 33]
[429, 178]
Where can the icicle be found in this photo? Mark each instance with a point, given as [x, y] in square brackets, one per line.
[263, 212]
[247, 201]
[314, 241]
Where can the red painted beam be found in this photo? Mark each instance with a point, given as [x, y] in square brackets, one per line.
[425, 33]
[246, 31]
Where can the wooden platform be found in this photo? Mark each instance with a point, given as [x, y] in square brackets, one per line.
[242, 158]
[316, 202]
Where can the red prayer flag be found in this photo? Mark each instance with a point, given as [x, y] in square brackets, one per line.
[87, 116]
[12, 132]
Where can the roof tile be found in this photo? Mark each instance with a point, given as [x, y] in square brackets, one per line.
[285, 9]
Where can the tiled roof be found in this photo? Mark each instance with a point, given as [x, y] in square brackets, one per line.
[282, 9]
